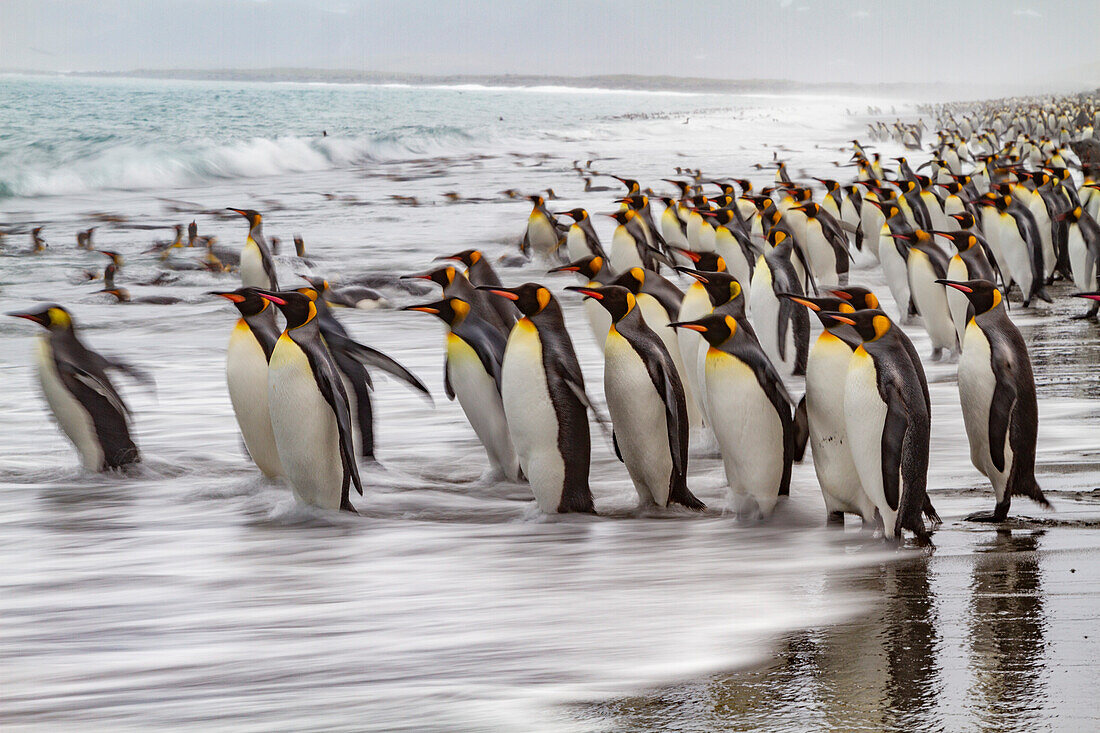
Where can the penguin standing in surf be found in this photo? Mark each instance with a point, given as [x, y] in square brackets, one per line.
[750, 414]
[250, 346]
[543, 235]
[644, 393]
[472, 372]
[542, 388]
[997, 391]
[257, 265]
[783, 327]
[888, 423]
[310, 412]
[79, 393]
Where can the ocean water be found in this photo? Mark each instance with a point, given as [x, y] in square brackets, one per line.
[195, 595]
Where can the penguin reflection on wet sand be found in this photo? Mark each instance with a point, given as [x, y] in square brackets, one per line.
[310, 412]
[545, 403]
[79, 393]
[997, 392]
[644, 391]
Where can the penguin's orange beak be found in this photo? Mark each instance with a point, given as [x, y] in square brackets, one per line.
[30, 317]
[693, 273]
[231, 297]
[564, 268]
[504, 294]
[842, 294]
[422, 309]
[843, 319]
[272, 298]
[587, 292]
[958, 286]
[809, 304]
[698, 327]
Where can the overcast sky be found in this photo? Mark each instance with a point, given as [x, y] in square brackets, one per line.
[807, 40]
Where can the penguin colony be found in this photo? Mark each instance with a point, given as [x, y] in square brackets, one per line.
[701, 313]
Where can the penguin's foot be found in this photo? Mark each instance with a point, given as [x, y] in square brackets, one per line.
[1090, 316]
[937, 354]
[834, 520]
[986, 517]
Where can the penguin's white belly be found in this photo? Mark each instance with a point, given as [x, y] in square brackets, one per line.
[1017, 255]
[75, 421]
[532, 419]
[305, 428]
[931, 300]
[865, 418]
[992, 228]
[826, 373]
[638, 413]
[477, 393]
[897, 275]
[541, 234]
[695, 305]
[624, 251]
[976, 387]
[670, 229]
[736, 264]
[253, 274]
[577, 244]
[1084, 277]
[820, 254]
[956, 301]
[657, 319]
[599, 320]
[871, 220]
[765, 317]
[749, 431]
[246, 378]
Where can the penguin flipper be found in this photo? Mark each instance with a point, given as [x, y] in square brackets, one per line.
[615, 443]
[447, 388]
[371, 357]
[1000, 412]
[893, 439]
[332, 389]
[801, 430]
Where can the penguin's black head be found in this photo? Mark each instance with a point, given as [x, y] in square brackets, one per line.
[982, 294]
[721, 287]
[451, 311]
[577, 214]
[810, 210]
[617, 300]
[590, 266]
[821, 305]
[116, 258]
[705, 261]
[963, 240]
[715, 328]
[623, 216]
[252, 215]
[468, 257]
[297, 308]
[247, 300]
[966, 220]
[530, 298]
[631, 185]
[319, 284]
[871, 325]
[859, 298]
[52, 317]
[829, 184]
[633, 280]
[441, 276]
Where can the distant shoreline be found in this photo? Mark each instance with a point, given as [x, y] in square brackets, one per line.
[615, 82]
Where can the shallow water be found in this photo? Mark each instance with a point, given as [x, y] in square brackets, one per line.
[193, 594]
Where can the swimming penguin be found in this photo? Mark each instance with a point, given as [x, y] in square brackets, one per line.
[257, 266]
[542, 236]
[888, 423]
[250, 346]
[472, 372]
[826, 374]
[644, 393]
[593, 272]
[480, 272]
[542, 388]
[782, 326]
[581, 240]
[997, 391]
[81, 396]
[750, 414]
[310, 412]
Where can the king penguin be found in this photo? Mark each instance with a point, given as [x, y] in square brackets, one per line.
[79, 393]
[783, 327]
[750, 413]
[310, 412]
[997, 392]
[542, 235]
[250, 346]
[480, 272]
[888, 423]
[257, 265]
[593, 272]
[542, 388]
[644, 391]
[472, 372]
